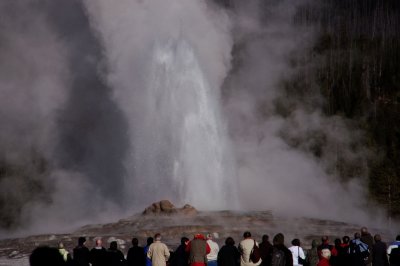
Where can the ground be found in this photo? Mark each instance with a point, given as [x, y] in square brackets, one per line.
[174, 225]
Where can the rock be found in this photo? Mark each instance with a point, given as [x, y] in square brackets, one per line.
[188, 210]
[13, 254]
[165, 207]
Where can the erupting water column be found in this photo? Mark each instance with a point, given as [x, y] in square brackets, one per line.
[185, 153]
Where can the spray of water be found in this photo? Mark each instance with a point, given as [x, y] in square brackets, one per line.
[168, 84]
[182, 115]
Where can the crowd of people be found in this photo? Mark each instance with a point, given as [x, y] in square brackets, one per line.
[363, 249]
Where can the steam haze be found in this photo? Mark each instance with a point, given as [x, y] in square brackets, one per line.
[107, 107]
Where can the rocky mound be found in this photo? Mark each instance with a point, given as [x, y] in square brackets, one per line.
[165, 207]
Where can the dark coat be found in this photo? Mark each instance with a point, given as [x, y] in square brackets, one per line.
[356, 257]
[369, 240]
[343, 255]
[379, 257]
[136, 256]
[266, 253]
[115, 257]
[81, 256]
[98, 257]
[228, 256]
[288, 254]
[180, 257]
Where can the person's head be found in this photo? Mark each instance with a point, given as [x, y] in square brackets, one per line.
[279, 239]
[398, 238]
[113, 245]
[338, 242]
[46, 256]
[357, 235]
[209, 236]
[229, 241]
[157, 237]
[81, 241]
[61, 245]
[346, 239]
[296, 242]
[246, 234]
[149, 241]
[135, 242]
[184, 240]
[98, 242]
[265, 238]
[377, 238]
[364, 230]
[314, 244]
[324, 239]
[326, 253]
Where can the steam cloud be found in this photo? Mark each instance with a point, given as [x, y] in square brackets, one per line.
[82, 86]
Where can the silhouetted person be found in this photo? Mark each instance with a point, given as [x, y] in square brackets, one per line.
[379, 257]
[136, 256]
[367, 238]
[325, 256]
[228, 255]
[214, 249]
[81, 254]
[180, 256]
[393, 252]
[198, 250]
[98, 254]
[245, 247]
[280, 249]
[297, 252]
[343, 252]
[335, 259]
[265, 250]
[312, 254]
[324, 245]
[46, 256]
[64, 253]
[158, 252]
[115, 257]
[358, 251]
[146, 249]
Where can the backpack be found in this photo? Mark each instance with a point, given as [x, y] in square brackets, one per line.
[394, 257]
[278, 257]
[255, 254]
[363, 250]
[359, 249]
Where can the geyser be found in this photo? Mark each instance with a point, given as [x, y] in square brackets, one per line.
[181, 149]
[121, 101]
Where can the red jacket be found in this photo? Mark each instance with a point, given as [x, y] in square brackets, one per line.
[323, 262]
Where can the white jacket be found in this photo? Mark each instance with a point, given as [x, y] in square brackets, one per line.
[296, 253]
[213, 255]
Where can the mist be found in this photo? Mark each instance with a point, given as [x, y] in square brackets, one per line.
[277, 165]
[108, 107]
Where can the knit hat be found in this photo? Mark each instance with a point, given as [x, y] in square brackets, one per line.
[199, 236]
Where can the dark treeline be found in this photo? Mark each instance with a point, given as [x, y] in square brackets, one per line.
[356, 60]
